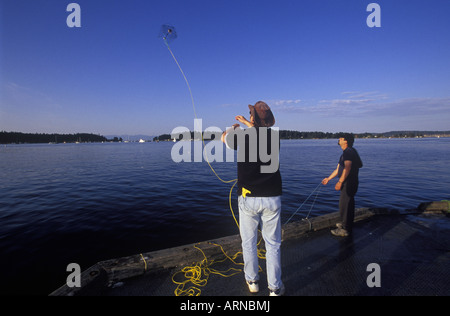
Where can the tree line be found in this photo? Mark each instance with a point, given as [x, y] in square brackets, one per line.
[36, 138]
[288, 134]
[394, 134]
[30, 138]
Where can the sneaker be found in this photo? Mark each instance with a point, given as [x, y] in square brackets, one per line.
[340, 232]
[277, 292]
[253, 286]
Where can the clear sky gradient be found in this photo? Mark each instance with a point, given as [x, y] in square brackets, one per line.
[315, 62]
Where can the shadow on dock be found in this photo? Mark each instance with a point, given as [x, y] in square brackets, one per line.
[410, 248]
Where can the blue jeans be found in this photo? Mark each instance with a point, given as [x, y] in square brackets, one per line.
[264, 211]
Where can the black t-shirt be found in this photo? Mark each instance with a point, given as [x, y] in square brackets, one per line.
[351, 154]
[255, 173]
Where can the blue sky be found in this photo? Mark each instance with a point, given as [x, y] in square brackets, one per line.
[315, 62]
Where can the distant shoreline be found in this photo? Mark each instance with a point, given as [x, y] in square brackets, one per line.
[287, 134]
[55, 138]
[37, 138]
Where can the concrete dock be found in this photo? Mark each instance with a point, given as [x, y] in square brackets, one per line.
[390, 253]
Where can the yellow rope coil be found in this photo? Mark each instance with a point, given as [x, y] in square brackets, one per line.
[199, 273]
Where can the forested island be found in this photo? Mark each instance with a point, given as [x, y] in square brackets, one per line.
[287, 134]
[36, 138]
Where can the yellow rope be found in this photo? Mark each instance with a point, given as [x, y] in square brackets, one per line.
[145, 262]
[199, 273]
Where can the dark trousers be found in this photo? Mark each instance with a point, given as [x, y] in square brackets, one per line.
[347, 204]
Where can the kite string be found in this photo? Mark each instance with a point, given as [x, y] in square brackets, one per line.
[184, 76]
[316, 189]
[195, 112]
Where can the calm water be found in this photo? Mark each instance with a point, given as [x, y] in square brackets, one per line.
[85, 203]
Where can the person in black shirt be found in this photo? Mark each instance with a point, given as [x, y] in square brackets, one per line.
[259, 193]
[348, 171]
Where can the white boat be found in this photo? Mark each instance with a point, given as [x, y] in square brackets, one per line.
[141, 140]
